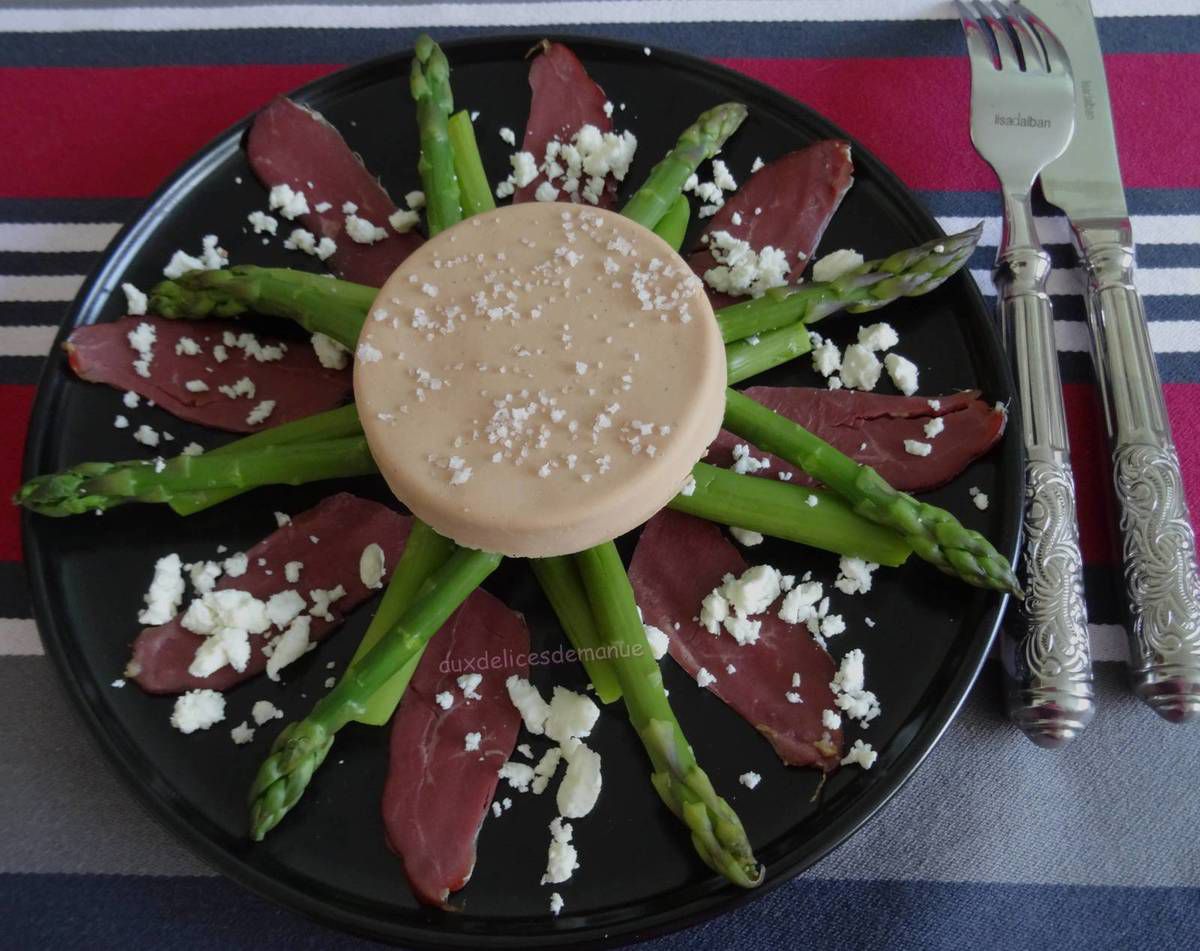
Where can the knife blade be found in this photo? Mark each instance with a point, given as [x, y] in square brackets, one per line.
[1158, 544]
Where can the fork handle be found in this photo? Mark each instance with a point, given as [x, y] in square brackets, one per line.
[1046, 648]
[1158, 544]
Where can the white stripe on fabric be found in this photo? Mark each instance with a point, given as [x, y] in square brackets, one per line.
[19, 638]
[25, 287]
[1147, 229]
[26, 341]
[41, 237]
[433, 15]
[1166, 336]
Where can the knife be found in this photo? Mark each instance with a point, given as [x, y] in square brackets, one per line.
[1157, 542]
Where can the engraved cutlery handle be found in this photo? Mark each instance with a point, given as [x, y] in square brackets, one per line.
[1046, 649]
[1157, 542]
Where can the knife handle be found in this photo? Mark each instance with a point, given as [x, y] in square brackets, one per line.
[1157, 541]
[1046, 649]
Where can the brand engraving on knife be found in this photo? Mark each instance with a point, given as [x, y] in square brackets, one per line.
[1089, 101]
[1022, 121]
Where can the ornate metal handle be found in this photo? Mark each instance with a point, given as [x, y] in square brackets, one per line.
[1158, 544]
[1046, 648]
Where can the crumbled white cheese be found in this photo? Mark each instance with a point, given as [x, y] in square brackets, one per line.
[854, 575]
[469, 685]
[826, 357]
[750, 779]
[714, 609]
[291, 571]
[860, 368]
[236, 564]
[754, 591]
[934, 427]
[192, 449]
[445, 699]
[204, 575]
[570, 715]
[363, 231]
[330, 354]
[165, 593]
[287, 202]
[131, 400]
[861, 753]
[371, 567]
[322, 598]
[142, 339]
[980, 499]
[471, 741]
[544, 771]
[261, 222]
[580, 786]
[507, 135]
[658, 641]
[915, 447]
[704, 678]
[744, 463]
[745, 536]
[402, 221]
[415, 198]
[518, 775]
[283, 606]
[366, 353]
[290, 646]
[835, 264]
[529, 703]
[561, 859]
[831, 720]
[878, 337]
[903, 372]
[849, 689]
[260, 412]
[689, 485]
[211, 259]
[196, 386]
[545, 192]
[742, 270]
[264, 711]
[135, 300]
[801, 602]
[197, 710]
[242, 733]
[556, 900]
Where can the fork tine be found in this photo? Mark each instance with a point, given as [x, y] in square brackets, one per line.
[980, 49]
[1000, 35]
[1057, 60]
[1032, 51]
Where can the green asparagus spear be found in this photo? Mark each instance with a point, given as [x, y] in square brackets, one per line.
[318, 304]
[303, 746]
[475, 191]
[786, 511]
[749, 357]
[424, 552]
[560, 581]
[672, 227]
[698, 142]
[935, 534]
[332, 424]
[430, 86]
[97, 486]
[871, 285]
[717, 833]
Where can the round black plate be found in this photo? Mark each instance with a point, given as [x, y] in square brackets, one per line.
[638, 875]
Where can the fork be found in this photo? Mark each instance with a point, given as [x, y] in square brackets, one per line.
[1022, 118]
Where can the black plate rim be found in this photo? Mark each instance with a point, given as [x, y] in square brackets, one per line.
[57, 642]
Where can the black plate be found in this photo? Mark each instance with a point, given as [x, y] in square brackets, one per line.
[638, 874]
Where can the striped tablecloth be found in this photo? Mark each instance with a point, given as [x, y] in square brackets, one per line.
[995, 843]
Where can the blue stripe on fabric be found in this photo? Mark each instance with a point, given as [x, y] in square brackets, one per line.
[171, 914]
[777, 39]
[86, 210]
[986, 204]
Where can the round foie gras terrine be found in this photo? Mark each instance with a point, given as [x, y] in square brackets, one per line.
[540, 378]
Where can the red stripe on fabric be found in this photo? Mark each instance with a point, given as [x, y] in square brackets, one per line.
[15, 405]
[84, 133]
[1183, 407]
[913, 113]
